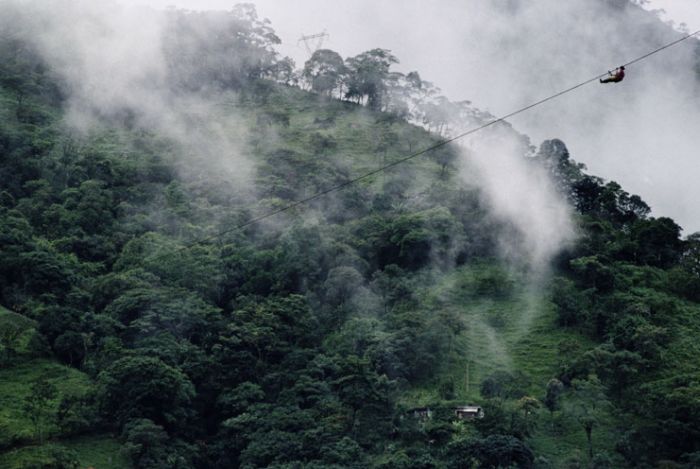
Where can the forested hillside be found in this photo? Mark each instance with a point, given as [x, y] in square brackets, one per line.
[152, 314]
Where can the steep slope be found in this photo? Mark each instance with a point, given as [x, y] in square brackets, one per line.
[192, 335]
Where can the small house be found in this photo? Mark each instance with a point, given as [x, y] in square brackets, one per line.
[469, 412]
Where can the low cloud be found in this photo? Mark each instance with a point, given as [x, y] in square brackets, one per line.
[537, 222]
[112, 63]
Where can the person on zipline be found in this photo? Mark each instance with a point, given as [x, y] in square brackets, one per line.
[615, 77]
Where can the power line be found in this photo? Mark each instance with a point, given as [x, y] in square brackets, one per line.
[404, 159]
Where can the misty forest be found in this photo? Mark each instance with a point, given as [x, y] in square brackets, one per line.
[214, 257]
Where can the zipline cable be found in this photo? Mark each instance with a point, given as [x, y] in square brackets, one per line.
[670, 44]
[440, 144]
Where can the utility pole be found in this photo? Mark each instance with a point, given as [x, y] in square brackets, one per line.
[466, 379]
[313, 42]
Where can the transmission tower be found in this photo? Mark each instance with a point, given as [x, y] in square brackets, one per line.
[313, 42]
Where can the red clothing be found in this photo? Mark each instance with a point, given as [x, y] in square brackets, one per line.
[615, 77]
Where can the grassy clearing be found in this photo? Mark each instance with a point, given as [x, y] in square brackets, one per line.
[15, 427]
[34, 456]
[684, 348]
[509, 327]
[361, 140]
[100, 452]
[15, 384]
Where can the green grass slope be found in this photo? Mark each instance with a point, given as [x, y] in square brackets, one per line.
[510, 326]
[19, 446]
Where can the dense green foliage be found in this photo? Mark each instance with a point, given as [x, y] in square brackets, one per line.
[146, 307]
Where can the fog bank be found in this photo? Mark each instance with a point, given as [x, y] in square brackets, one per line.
[504, 54]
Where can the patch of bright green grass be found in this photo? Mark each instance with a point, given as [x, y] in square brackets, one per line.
[15, 385]
[100, 452]
[47, 455]
[511, 327]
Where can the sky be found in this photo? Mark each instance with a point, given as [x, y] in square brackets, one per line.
[679, 11]
[341, 21]
[639, 133]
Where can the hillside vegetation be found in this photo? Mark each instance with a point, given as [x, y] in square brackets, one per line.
[149, 319]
